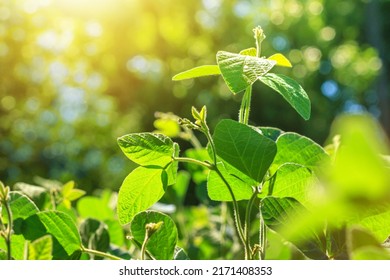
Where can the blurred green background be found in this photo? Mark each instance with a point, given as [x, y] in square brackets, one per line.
[77, 74]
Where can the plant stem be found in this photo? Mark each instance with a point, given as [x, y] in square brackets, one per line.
[143, 247]
[248, 221]
[99, 253]
[245, 106]
[194, 161]
[237, 220]
[262, 235]
[9, 229]
[236, 215]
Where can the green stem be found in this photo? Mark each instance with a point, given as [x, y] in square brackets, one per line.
[248, 221]
[263, 235]
[206, 131]
[245, 106]
[224, 222]
[194, 161]
[9, 229]
[236, 213]
[99, 253]
[53, 199]
[143, 247]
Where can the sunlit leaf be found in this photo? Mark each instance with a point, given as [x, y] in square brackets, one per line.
[249, 51]
[63, 229]
[94, 207]
[281, 60]
[18, 243]
[240, 71]
[141, 189]
[168, 127]
[291, 91]
[147, 148]
[292, 180]
[200, 71]
[295, 148]
[376, 221]
[41, 249]
[359, 171]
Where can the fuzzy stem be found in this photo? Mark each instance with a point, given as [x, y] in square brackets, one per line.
[262, 235]
[248, 221]
[236, 215]
[245, 106]
[99, 253]
[9, 229]
[194, 161]
[143, 247]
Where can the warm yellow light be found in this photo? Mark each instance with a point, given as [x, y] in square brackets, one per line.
[89, 8]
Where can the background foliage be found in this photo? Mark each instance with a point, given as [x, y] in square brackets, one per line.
[75, 75]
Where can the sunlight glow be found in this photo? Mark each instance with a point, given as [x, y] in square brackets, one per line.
[85, 7]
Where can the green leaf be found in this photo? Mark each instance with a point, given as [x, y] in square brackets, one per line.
[359, 172]
[70, 193]
[17, 246]
[60, 225]
[168, 127]
[291, 91]
[36, 193]
[75, 194]
[180, 254]
[295, 148]
[22, 207]
[141, 189]
[200, 71]
[181, 186]
[198, 173]
[362, 245]
[281, 60]
[292, 180]
[240, 71]
[163, 242]
[171, 169]
[67, 188]
[147, 149]
[3, 255]
[244, 148]
[218, 191]
[280, 213]
[116, 232]
[94, 207]
[41, 248]
[271, 132]
[249, 51]
[376, 221]
[95, 235]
